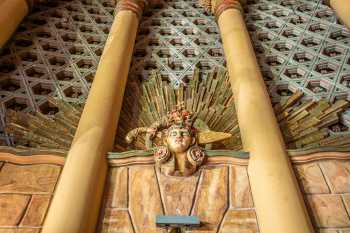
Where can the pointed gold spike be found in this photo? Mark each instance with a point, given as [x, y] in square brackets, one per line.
[206, 137]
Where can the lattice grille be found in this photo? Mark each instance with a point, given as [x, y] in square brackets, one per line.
[300, 45]
[175, 37]
[54, 52]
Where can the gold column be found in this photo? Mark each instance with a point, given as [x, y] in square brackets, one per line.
[76, 203]
[342, 9]
[278, 201]
[11, 14]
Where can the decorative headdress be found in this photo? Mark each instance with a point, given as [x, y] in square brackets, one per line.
[177, 117]
[180, 116]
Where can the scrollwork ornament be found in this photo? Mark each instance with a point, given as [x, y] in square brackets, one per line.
[161, 154]
[195, 155]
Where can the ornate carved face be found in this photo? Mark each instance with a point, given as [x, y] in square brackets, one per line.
[179, 139]
[177, 152]
[179, 156]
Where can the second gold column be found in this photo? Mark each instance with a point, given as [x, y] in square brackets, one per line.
[279, 205]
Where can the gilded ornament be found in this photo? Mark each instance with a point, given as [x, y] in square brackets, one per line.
[180, 153]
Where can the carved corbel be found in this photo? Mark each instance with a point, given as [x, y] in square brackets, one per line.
[136, 6]
[217, 7]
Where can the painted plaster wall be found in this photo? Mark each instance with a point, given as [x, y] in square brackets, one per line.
[326, 187]
[219, 194]
[25, 193]
[223, 194]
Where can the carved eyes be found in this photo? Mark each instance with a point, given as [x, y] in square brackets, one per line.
[179, 133]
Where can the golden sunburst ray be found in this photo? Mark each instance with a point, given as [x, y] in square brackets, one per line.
[304, 123]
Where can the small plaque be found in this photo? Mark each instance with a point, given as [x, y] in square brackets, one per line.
[177, 221]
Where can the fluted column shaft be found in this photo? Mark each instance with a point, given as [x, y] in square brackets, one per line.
[277, 198]
[76, 203]
[11, 14]
[342, 9]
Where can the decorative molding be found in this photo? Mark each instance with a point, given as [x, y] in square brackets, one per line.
[219, 6]
[140, 157]
[32, 151]
[131, 161]
[300, 159]
[136, 6]
[130, 153]
[216, 157]
[228, 153]
[322, 149]
[225, 5]
[146, 153]
[114, 162]
[32, 159]
[227, 160]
